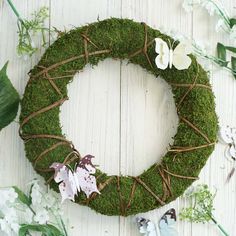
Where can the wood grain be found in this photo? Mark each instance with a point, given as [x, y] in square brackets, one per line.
[118, 112]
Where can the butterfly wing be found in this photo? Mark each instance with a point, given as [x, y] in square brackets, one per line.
[67, 184]
[181, 60]
[66, 191]
[61, 174]
[65, 178]
[226, 134]
[146, 227]
[167, 224]
[86, 182]
[163, 51]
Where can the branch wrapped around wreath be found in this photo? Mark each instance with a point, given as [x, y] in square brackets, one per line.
[46, 91]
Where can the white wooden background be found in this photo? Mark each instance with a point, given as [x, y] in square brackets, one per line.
[119, 113]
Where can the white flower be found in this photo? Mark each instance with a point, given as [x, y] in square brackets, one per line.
[48, 200]
[8, 196]
[15, 227]
[233, 32]
[9, 223]
[188, 7]
[5, 226]
[10, 215]
[28, 216]
[36, 194]
[41, 217]
[220, 25]
[11, 195]
[210, 7]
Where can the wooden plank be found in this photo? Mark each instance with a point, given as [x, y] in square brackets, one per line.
[94, 110]
[149, 119]
[14, 167]
[216, 170]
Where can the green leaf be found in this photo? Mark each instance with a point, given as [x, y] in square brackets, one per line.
[232, 22]
[232, 49]
[9, 99]
[221, 54]
[48, 230]
[22, 196]
[233, 65]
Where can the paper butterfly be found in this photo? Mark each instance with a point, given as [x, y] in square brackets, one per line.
[169, 56]
[72, 182]
[228, 136]
[165, 227]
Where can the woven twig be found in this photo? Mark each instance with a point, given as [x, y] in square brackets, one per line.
[122, 204]
[188, 149]
[142, 183]
[53, 83]
[188, 90]
[45, 109]
[70, 60]
[101, 186]
[165, 181]
[54, 146]
[189, 85]
[132, 194]
[180, 176]
[145, 47]
[195, 128]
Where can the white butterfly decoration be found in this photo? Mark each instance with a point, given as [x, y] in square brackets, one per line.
[227, 135]
[165, 226]
[72, 182]
[177, 57]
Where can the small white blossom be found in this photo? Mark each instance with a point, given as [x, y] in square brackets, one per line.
[9, 223]
[36, 194]
[48, 200]
[8, 196]
[5, 226]
[233, 32]
[187, 6]
[220, 25]
[210, 7]
[41, 217]
[28, 216]
[11, 215]
[15, 227]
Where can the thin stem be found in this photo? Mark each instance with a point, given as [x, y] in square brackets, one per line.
[222, 12]
[60, 222]
[64, 227]
[16, 12]
[219, 226]
[14, 9]
[217, 61]
[32, 210]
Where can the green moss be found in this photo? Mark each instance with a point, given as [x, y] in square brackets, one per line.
[122, 37]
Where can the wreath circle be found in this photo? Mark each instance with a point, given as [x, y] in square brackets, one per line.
[119, 39]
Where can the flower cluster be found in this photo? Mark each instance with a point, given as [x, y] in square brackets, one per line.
[39, 211]
[201, 209]
[29, 29]
[214, 7]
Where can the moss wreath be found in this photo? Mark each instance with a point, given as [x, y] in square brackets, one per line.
[120, 39]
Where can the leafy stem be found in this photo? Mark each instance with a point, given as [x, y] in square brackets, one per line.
[219, 226]
[222, 12]
[202, 208]
[14, 9]
[27, 29]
